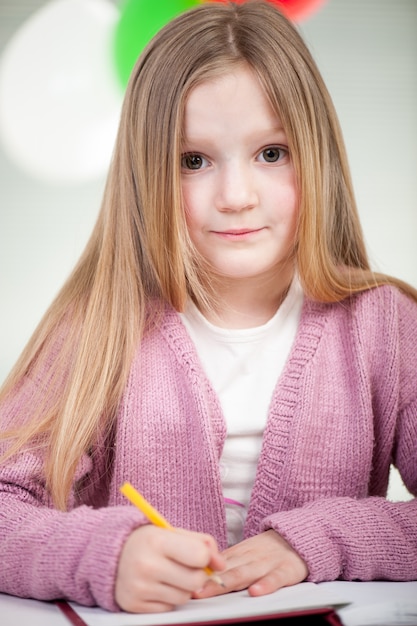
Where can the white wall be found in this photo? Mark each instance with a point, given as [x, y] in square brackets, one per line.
[367, 51]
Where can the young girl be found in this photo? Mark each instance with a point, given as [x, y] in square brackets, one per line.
[222, 344]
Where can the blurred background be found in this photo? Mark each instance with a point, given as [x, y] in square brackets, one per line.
[55, 142]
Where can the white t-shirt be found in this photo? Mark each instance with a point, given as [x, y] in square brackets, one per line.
[244, 365]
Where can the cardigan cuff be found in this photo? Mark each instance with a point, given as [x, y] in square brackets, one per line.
[99, 564]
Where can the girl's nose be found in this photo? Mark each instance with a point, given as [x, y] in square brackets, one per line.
[236, 189]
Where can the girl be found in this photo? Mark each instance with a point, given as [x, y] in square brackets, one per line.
[222, 344]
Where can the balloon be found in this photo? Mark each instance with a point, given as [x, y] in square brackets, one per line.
[298, 10]
[140, 20]
[60, 98]
[295, 10]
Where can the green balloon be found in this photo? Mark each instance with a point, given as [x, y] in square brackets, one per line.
[139, 21]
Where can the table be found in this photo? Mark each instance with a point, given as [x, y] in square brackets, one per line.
[368, 599]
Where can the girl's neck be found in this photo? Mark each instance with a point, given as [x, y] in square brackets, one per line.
[247, 303]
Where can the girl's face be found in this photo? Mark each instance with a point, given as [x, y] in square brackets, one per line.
[238, 180]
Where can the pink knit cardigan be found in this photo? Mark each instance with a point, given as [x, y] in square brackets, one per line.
[344, 409]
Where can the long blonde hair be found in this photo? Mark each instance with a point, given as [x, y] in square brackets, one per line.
[139, 253]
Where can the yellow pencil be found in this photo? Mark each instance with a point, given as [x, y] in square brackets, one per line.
[156, 518]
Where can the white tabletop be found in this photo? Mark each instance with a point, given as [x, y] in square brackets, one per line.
[372, 603]
[20, 612]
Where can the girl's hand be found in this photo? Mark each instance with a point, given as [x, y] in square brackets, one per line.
[261, 564]
[160, 569]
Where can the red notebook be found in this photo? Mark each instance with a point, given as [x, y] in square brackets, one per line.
[311, 617]
[305, 603]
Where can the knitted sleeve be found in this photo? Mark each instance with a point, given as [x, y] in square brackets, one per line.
[348, 539]
[368, 538]
[48, 554]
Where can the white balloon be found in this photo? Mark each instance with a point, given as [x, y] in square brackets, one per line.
[60, 97]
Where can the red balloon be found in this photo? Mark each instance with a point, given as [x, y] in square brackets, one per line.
[298, 10]
[295, 10]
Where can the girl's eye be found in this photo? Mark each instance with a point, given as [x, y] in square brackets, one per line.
[273, 154]
[191, 161]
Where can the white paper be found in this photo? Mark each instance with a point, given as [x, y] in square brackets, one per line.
[377, 603]
[297, 598]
